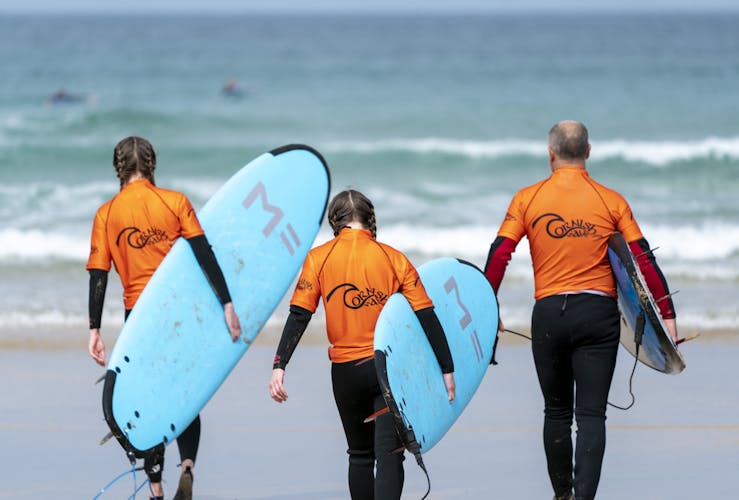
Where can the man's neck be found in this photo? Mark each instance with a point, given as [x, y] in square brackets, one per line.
[557, 164]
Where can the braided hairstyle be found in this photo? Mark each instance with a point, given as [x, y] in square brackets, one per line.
[348, 206]
[132, 155]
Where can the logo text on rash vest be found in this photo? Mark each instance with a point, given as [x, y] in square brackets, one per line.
[557, 227]
[136, 238]
[260, 192]
[354, 298]
[451, 286]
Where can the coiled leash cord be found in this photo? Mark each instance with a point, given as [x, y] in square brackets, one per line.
[136, 488]
[631, 377]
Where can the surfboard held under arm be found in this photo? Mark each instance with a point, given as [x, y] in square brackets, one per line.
[409, 374]
[175, 349]
[643, 324]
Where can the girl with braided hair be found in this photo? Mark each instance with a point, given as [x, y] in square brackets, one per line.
[354, 275]
[135, 230]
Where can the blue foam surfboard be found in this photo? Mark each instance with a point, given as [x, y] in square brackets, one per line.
[640, 313]
[175, 349]
[407, 369]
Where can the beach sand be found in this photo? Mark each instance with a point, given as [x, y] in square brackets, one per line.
[679, 441]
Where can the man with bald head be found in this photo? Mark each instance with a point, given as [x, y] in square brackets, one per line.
[568, 218]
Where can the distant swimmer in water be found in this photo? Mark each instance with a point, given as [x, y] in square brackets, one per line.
[61, 96]
[232, 88]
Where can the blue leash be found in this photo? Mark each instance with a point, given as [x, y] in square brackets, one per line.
[119, 477]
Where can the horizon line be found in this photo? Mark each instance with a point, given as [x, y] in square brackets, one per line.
[698, 9]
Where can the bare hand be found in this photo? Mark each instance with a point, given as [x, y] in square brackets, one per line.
[232, 321]
[671, 325]
[96, 347]
[276, 389]
[501, 328]
[450, 386]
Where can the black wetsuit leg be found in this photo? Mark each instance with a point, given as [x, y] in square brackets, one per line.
[357, 394]
[575, 343]
[189, 440]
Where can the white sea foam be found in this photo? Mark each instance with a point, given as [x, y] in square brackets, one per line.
[658, 153]
[710, 243]
[700, 252]
[36, 245]
[56, 318]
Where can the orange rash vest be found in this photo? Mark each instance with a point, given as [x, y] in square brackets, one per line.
[567, 219]
[136, 229]
[355, 275]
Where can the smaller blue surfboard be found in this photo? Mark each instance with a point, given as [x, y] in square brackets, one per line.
[646, 336]
[408, 372]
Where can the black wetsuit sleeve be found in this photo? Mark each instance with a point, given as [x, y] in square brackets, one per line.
[435, 333]
[208, 263]
[98, 284]
[295, 326]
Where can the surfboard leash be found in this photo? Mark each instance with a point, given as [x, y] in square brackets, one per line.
[631, 377]
[631, 381]
[419, 461]
[638, 336]
[136, 488]
[517, 333]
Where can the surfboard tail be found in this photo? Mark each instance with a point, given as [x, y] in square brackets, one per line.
[407, 436]
[115, 430]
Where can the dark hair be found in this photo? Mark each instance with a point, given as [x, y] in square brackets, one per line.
[348, 206]
[134, 154]
[569, 140]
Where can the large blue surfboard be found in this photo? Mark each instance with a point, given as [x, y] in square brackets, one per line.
[409, 374]
[644, 325]
[175, 349]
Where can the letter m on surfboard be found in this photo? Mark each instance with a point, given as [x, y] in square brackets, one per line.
[451, 286]
[260, 192]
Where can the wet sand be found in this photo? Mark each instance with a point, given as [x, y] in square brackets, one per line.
[679, 441]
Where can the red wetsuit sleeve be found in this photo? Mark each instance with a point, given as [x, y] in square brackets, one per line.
[500, 254]
[653, 276]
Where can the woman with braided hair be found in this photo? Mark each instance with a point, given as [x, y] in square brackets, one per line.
[355, 274]
[135, 230]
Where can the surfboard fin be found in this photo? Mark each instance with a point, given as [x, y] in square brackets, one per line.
[106, 438]
[102, 377]
[689, 337]
[669, 295]
[376, 414]
[651, 250]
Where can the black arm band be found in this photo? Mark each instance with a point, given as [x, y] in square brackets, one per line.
[296, 323]
[98, 284]
[437, 339]
[208, 263]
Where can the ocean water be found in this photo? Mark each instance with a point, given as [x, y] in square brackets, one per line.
[438, 118]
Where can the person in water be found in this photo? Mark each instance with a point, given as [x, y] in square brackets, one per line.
[232, 88]
[62, 96]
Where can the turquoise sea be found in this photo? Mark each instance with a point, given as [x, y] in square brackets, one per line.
[438, 118]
